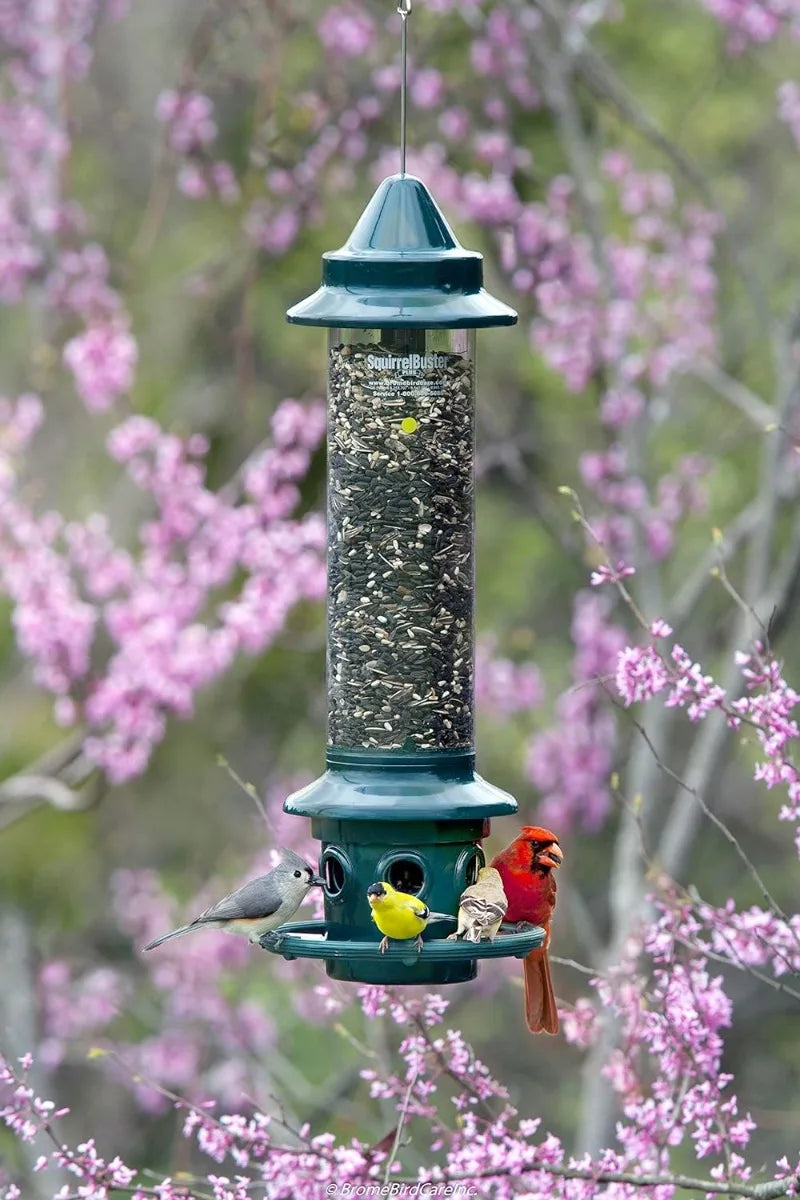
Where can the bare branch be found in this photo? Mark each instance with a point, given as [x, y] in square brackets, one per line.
[769, 1190]
[36, 789]
[757, 411]
[399, 1131]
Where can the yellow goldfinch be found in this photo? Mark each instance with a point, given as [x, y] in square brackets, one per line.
[481, 908]
[399, 915]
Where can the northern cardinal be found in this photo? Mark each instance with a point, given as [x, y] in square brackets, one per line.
[526, 868]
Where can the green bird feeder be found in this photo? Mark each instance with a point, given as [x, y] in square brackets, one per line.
[400, 800]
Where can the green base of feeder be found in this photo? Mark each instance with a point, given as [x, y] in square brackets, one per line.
[439, 961]
[414, 820]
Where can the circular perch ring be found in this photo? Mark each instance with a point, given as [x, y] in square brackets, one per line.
[309, 939]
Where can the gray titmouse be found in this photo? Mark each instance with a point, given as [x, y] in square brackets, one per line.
[260, 906]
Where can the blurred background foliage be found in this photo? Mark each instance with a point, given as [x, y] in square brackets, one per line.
[217, 356]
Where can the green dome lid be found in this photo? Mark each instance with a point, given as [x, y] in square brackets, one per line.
[402, 266]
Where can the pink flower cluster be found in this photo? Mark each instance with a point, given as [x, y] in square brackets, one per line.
[644, 671]
[188, 116]
[168, 638]
[39, 230]
[323, 164]
[750, 938]
[755, 22]
[500, 52]
[102, 360]
[660, 314]
[668, 1069]
[347, 30]
[571, 762]
[72, 1008]
[627, 506]
[198, 1038]
[675, 1096]
[768, 706]
[502, 686]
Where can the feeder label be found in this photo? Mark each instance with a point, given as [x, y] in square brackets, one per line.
[407, 364]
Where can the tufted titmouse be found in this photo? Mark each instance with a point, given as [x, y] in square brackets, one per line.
[260, 906]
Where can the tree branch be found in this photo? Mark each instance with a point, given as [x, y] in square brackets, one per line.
[769, 1190]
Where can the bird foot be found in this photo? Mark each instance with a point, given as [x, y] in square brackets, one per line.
[419, 943]
[451, 937]
[384, 946]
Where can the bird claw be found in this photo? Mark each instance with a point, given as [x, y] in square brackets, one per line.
[419, 943]
[384, 946]
[516, 927]
[451, 937]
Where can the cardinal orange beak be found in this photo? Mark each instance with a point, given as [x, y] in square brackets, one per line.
[552, 856]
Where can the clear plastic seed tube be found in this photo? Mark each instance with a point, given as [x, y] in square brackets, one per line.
[401, 539]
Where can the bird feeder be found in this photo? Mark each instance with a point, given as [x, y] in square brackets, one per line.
[400, 799]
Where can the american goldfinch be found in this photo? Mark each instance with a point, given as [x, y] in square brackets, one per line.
[481, 908]
[258, 907]
[399, 915]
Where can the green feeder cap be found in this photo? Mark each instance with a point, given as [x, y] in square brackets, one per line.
[402, 267]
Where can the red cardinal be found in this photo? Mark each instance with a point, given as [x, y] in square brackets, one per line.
[526, 868]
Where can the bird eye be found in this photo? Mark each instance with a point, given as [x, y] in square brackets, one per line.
[297, 874]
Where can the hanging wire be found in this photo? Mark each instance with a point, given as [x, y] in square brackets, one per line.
[404, 8]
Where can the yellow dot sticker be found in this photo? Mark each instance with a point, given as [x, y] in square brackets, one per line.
[408, 425]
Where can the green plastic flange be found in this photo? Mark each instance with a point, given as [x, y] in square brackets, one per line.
[309, 939]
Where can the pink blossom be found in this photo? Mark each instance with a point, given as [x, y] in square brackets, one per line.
[754, 22]
[189, 116]
[608, 574]
[192, 181]
[346, 29]
[426, 88]
[102, 360]
[640, 674]
[504, 687]
[571, 761]
[225, 182]
[273, 230]
[454, 123]
[621, 407]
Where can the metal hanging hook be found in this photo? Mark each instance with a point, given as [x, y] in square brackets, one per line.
[404, 9]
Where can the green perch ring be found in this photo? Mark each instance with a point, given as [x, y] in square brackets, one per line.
[308, 939]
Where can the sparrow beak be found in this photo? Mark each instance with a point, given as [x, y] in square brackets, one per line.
[552, 856]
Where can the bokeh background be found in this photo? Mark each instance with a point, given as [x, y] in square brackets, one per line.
[207, 271]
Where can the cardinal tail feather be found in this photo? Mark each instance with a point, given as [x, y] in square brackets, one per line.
[541, 1013]
[175, 933]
